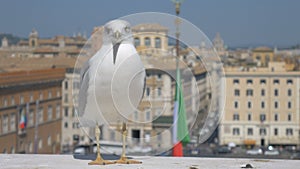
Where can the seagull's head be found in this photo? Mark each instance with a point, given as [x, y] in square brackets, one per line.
[117, 31]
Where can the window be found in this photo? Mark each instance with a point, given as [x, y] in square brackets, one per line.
[236, 131]
[57, 137]
[41, 96]
[262, 117]
[276, 132]
[30, 147]
[289, 93]
[21, 99]
[263, 81]
[157, 43]
[159, 76]
[262, 104]
[40, 144]
[276, 117]
[147, 41]
[249, 117]
[137, 42]
[32, 43]
[236, 104]
[66, 85]
[258, 57]
[31, 97]
[31, 116]
[148, 91]
[58, 111]
[250, 131]
[74, 125]
[12, 149]
[41, 115]
[57, 93]
[276, 104]
[66, 124]
[12, 100]
[249, 105]
[66, 99]
[159, 91]
[276, 92]
[289, 117]
[262, 131]
[136, 116]
[249, 81]
[237, 92]
[49, 140]
[236, 81]
[289, 81]
[289, 105]
[236, 117]
[12, 122]
[4, 102]
[263, 92]
[49, 113]
[289, 131]
[275, 81]
[66, 111]
[148, 115]
[49, 94]
[5, 124]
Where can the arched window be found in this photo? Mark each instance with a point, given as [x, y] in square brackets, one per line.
[32, 43]
[137, 42]
[157, 43]
[147, 41]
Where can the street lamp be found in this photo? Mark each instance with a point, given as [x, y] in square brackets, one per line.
[177, 5]
[177, 22]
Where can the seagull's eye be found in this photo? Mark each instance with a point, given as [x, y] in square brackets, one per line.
[127, 29]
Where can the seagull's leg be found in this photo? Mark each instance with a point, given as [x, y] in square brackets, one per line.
[99, 160]
[124, 159]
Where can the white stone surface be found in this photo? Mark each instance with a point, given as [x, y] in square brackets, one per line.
[67, 162]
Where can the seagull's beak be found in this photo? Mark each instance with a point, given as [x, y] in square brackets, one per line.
[117, 36]
[115, 51]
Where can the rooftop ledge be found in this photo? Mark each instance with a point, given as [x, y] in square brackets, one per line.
[18, 161]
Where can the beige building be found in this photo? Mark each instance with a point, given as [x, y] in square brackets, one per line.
[262, 56]
[151, 39]
[262, 106]
[72, 133]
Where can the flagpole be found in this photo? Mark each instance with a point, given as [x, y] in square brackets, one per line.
[178, 79]
[36, 126]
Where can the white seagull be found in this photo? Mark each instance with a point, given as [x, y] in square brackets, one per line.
[112, 84]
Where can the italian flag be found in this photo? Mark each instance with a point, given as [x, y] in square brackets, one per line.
[180, 129]
[23, 118]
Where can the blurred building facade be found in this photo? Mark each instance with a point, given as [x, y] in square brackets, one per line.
[262, 105]
[72, 133]
[34, 99]
[37, 47]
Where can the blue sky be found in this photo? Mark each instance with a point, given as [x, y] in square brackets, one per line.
[240, 22]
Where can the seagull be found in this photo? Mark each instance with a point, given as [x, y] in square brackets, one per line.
[112, 84]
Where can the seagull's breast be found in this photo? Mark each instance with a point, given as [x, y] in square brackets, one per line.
[118, 87]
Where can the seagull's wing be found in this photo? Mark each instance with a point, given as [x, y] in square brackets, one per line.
[84, 84]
